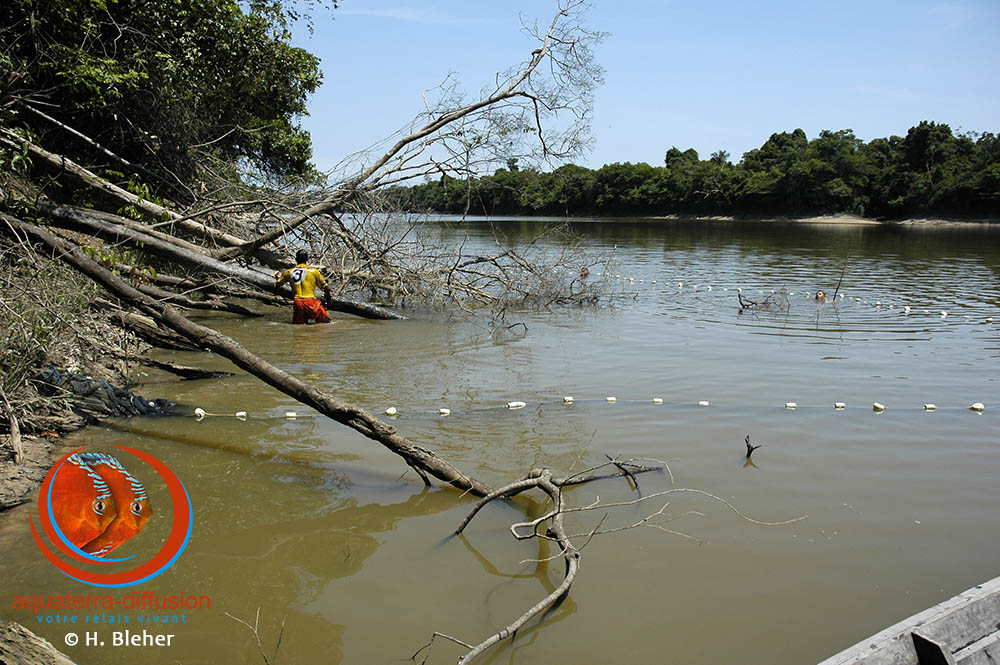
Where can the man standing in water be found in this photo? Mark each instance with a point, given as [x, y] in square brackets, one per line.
[304, 280]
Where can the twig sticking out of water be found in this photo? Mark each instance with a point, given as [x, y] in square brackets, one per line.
[256, 634]
[843, 271]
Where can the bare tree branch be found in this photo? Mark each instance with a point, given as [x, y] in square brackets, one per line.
[462, 128]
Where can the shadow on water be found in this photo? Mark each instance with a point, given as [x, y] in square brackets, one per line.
[250, 514]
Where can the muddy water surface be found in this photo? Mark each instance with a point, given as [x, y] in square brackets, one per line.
[320, 528]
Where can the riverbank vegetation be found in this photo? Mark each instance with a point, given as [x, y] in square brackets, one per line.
[151, 163]
[931, 171]
[163, 141]
[135, 110]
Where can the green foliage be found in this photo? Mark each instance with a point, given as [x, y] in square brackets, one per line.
[929, 171]
[163, 82]
[114, 257]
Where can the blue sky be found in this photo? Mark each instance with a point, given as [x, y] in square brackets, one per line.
[706, 75]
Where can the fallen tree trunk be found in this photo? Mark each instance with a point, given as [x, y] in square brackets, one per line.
[80, 220]
[184, 301]
[215, 289]
[94, 181]
[266, 257]
[144, 327]
[422, 460]
[141, 228]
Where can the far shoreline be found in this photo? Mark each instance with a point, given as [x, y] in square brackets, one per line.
[838, 219]
[835, 219]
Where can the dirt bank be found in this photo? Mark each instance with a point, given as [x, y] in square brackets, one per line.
[18, 482]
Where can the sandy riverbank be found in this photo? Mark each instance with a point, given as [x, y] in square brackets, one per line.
[836, 219]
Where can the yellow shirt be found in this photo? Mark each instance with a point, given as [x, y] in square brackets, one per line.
[304, 280]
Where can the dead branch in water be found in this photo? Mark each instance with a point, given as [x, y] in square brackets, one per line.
[551, 527]
[776, 301]
[402, 260]
[186, 372]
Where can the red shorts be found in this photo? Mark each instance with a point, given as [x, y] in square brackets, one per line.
[307, 309]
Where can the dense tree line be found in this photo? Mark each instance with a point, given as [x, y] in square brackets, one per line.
[929, 171]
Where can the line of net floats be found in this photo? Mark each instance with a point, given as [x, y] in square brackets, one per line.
[393, 412]
[843, 297]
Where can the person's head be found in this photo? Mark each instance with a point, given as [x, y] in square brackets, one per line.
[301, 256]
[820, 295]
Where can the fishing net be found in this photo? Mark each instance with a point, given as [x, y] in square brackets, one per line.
[91, 397]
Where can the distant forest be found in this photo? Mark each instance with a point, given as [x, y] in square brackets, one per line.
[930, 171]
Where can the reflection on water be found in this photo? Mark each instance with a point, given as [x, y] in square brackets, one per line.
[318, 526]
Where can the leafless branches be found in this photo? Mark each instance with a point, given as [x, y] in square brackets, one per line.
[551, 527]
[404, 260]
[537, 110]
[774, 302]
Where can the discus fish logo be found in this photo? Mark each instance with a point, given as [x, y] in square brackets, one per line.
[89, 504]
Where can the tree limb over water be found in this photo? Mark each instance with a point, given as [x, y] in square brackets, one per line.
[455, 137]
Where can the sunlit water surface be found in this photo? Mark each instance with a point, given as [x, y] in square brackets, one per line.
[321, 529]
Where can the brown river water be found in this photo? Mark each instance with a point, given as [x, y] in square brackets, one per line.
[317, 527]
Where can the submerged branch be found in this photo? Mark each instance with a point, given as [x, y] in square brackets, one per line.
[555, 530]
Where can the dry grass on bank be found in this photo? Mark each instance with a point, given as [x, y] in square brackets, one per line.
[48, 317]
